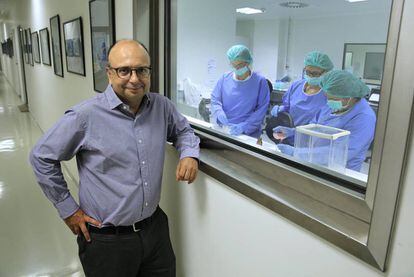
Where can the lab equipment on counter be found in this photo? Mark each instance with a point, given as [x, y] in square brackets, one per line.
[322, 145]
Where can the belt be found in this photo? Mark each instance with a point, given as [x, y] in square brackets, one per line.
[134, 228]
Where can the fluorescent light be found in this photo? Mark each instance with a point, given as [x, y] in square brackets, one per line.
[248, 10]
[352, 1]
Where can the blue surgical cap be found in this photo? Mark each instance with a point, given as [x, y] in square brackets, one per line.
[239, 53]
[318, 59]
[342, 84]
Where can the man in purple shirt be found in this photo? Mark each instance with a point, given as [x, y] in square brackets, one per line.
[118, 138]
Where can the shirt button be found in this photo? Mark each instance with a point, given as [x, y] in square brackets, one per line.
[145, 184]
[146, 203]
[143, 162]
[140, 141]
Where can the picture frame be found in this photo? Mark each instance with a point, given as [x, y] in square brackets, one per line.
[74, 50]
[55, 38]
[23, 39]
[36, 50]
[45, 48]
[29, 46]
[102, 27]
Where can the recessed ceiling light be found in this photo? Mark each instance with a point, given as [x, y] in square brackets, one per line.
[293, 5]
[248, 10]
[352, 1]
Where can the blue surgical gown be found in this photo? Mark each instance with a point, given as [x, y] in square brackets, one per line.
[360, 121]
[302, 107]
[242, 101]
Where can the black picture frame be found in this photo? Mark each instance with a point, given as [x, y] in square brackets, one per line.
[102, 37]
[29, 46]
[45, 48]
[74, 50]
[35, 45]
[56, 39]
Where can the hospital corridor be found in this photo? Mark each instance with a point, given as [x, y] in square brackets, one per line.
[34, 241]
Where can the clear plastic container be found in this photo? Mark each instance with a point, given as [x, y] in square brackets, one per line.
[322, 145]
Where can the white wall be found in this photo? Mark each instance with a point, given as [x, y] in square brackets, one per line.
[329, 35]
[201, 40]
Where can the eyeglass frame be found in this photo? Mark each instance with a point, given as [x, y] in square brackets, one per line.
[132, 69]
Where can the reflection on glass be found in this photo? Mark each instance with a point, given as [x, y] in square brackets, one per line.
[280, 41]
[7, 145]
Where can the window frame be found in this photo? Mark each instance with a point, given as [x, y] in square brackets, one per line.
[371, 215]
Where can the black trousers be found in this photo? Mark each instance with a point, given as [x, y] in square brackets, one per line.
[147, 253]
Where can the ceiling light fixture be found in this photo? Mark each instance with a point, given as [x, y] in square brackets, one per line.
[293, 5]
[248, 10]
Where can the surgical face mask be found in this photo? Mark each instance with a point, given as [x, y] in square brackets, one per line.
[336, 105]
[241, 71]
[313, 81]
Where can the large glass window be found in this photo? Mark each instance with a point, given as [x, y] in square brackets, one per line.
[284, 96]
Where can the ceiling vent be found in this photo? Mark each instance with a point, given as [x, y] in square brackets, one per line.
[293, 5]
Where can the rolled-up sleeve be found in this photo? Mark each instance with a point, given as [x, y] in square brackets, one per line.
[181, 134]
[60, 143]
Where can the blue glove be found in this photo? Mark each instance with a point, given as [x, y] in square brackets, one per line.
[222, 119]
[276, 110]
[236, 129]
[286, 149]
[285, 131]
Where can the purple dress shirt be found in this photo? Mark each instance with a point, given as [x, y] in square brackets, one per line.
[120, 156]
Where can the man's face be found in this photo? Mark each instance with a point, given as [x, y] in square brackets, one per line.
[124, 56]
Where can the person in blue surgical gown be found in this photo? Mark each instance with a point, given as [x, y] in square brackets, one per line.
[241, 97]
[305, 97]
[346, 109]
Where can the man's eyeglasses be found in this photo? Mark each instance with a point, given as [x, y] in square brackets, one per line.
[125, 72]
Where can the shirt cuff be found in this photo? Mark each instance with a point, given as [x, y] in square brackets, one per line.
[190, 154]
[67, 207]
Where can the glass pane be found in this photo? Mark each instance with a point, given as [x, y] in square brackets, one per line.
[319, 62]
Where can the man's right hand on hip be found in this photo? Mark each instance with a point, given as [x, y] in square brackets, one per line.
[77, 223]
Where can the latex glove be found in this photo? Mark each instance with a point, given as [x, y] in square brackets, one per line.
[286, 149]
[276, 110]
[282, 132]
[236, 129]
[222, 119]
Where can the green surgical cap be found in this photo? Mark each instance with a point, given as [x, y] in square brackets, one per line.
[342, 84]
[239, 53]
[318, 59]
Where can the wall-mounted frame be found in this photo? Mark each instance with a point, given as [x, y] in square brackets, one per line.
[36, 50]
[102, 25]
[24, 46]
[75, 57]
[56, 45]
[44, 43]
[29, 46]
[7, 48]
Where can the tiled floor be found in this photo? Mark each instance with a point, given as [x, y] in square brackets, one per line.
[34, 241]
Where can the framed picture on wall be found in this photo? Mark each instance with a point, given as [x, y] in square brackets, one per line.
[29, 46]
[73, 35]
[44, 43]
[102, 25]
[56, 46]
[23, 39]
[36, 51]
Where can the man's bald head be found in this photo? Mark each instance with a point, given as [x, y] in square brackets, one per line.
[125, 42]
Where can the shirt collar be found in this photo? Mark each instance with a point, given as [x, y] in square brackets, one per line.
[114, 100]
